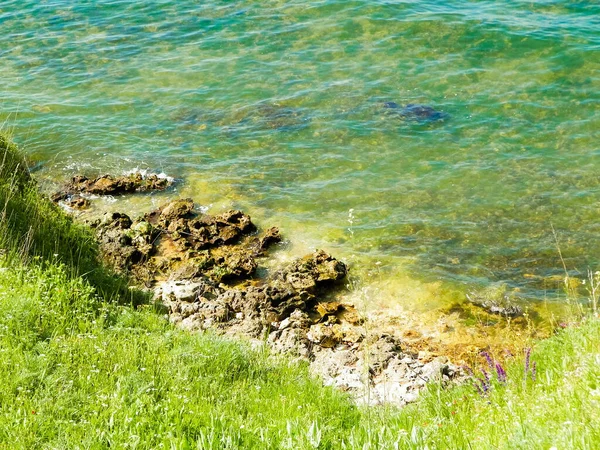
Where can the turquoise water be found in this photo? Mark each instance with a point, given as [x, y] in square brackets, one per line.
[279, 107]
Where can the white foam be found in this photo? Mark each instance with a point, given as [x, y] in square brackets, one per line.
[145, 174]
[204, 209]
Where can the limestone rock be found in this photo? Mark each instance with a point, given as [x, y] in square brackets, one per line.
[111, 185]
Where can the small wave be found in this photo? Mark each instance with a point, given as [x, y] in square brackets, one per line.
[145, 173]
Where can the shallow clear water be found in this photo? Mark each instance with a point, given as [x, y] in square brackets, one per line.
[279, 108]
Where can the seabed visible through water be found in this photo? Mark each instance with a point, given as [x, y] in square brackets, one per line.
[285, 110]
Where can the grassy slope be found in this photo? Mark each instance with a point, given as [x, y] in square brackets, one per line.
[33, 227]
[78, 370]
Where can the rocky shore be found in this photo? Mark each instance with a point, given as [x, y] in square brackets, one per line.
[206, 271]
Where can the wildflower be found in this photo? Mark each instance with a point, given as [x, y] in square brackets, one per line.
[501, 373]
[468, 370]
[527, 360]
[533, 371]
[486, 376]
[485, 383]
[488, 358]
[478, 387]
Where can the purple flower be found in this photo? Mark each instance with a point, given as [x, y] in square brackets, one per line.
[485, 386]
[533, 371]
[485, 376]
[527, 360]
[485, 382]
[501, 373]
[489, 360]
[468, 370]
[478, 387]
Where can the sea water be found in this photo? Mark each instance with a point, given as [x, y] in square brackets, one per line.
[293, 111]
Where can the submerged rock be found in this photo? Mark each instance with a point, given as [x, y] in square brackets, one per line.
[415, 112]
[278, 117]
[496, 301]
[264, 116]
[198, 117]
[77, 202]
[269, 238]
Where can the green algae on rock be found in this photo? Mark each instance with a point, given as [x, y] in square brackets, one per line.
[109, 185]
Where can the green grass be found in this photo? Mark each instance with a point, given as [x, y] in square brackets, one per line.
[561, 408]
[32, 226]
[80, 370]
[80, 373]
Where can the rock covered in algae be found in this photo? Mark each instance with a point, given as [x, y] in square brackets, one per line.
[270, 237]
[77, 202]
[175, 239]
[177, 242]
[496, 300]
[112, 185]
[124, 245]
[194, 231]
